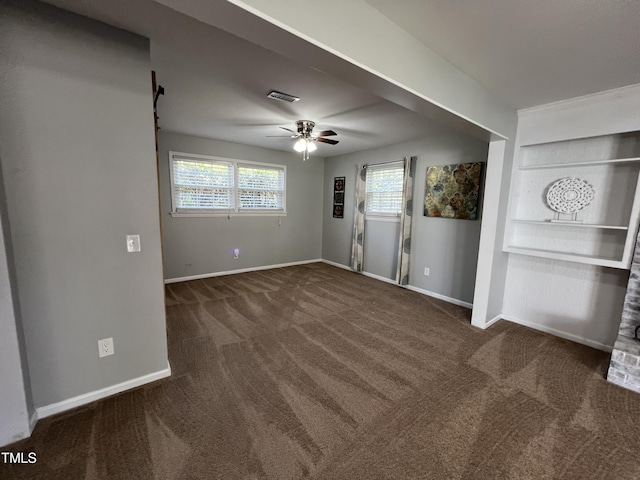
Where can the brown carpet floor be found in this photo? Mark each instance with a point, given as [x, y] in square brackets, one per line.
[317, 372]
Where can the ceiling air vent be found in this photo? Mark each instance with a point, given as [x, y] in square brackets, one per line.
[282, 97]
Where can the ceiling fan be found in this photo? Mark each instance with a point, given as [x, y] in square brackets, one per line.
[306, 137]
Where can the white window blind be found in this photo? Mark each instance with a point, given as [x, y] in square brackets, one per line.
[261, 187]
[202, 184]
[383, 192]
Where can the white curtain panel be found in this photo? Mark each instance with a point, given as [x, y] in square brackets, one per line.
[404, 247]
[357, 246]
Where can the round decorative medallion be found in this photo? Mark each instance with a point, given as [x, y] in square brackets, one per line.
[569, 195]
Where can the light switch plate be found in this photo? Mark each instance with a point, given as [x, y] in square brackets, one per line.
[133, 243]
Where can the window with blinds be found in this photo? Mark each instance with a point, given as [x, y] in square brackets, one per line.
[383, 191]
[260, 187]
[210, 185]
[202, 184]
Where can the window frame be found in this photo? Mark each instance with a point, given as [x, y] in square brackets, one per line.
[382, 216]
[228, 212]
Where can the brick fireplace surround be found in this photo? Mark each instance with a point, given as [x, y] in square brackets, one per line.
[624, 369]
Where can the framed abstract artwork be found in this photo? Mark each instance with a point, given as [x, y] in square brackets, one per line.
[452, 191]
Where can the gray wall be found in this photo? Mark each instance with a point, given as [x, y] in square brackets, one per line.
[381, 248]
[448, 247]
[202, 245]
[76, 142]
[16, 403]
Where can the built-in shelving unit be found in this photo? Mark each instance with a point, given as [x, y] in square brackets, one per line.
[567, 224]
[606, 228]
[580, 164]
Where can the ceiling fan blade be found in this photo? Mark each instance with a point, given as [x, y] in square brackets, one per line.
[326, 140]
[326, 133]
[282, 136]
[289, 130]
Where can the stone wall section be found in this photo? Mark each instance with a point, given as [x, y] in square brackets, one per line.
[624, 369]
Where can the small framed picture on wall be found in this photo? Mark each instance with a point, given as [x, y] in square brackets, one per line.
[338, 197]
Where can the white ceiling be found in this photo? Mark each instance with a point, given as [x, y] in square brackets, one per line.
[526, 52]
[529, 52]
[216, 85]
[222, 94]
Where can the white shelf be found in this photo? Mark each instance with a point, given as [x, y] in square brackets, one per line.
[571, 257]
[611, 165]
[580, 164]
[548, 223]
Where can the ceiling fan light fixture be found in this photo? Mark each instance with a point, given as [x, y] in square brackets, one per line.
[311, 146]
[300, 145]
[305, 138]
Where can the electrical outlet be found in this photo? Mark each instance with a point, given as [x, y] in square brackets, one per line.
[426, 271]
[105, 347]
[236, 253]
[133, 243]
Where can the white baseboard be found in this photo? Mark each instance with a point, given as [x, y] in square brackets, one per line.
[542, 328]
[559, 333]
[378, 277]
[455, 301]
[336, 264]
[491, 322]
[240, 270]
[48, 410]
[32, 421]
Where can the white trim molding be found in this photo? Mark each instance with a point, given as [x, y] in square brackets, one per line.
[491, 322]
[378, 277]
[33, 419]
[559, 333]
[85, 398]
[339, 265]
[240, 270]
[455, 301]
[228, 215]
[589, 98]
[379, 218]
[490, 271]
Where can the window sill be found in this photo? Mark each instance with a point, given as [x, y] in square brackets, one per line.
[227, 214]
[382, 218]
